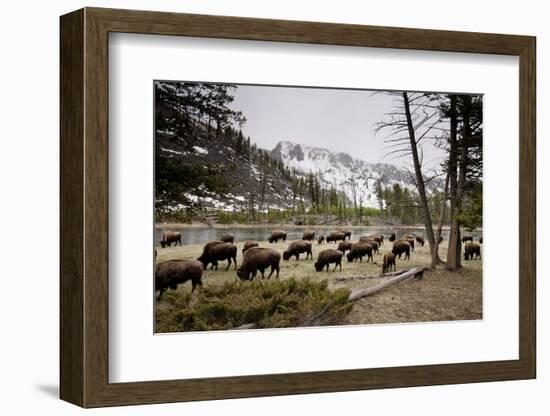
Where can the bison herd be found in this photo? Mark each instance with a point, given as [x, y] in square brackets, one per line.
[170, 273]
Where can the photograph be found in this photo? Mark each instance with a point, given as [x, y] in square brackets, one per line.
[280, 206]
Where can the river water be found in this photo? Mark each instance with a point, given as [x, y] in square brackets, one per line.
[201, 235]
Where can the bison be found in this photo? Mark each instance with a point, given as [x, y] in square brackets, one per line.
[481, 240]
[471, 249]
[372, 242]
[277, 235]
[335, 236]
[249, 244]
[259, 258]
[296, 248]
[171, 273]
[392, 237]
[308, 235]
[358, 250]
[328, 256]
[215, 251]
[379, 238]
[400, 247]
[169, 237]
[467, 238]
[344, 246]
[420, 240]
[227, 238]
[321, 239]
[388, 262]
[347, 234]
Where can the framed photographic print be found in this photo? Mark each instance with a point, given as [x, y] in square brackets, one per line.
[255, 207]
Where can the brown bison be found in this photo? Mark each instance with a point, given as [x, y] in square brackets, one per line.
[471, 249]
[372, 242]
[277, 235]
[358, 250]
[335, 236]
[171, 273]
[169, 237]
[379, 238]
[409, 235]
[227, 238]
[249, 244]
[347, 234]
[467, 238]
[215, 251]
[481, 240]
[344, 246]
[296, 248]
[388, 262]
[259, 258]
[321, 239]
[400, 247]
[328, 256]
[392, 237]
[308, 235]
[420, 240]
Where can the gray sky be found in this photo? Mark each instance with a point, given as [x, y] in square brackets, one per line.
[339, 120]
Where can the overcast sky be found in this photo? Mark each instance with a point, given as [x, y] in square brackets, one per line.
[336, 119]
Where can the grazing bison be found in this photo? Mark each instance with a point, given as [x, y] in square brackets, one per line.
[358, 250]
[388, 262]
[321, 239]
[296, 248]
[277, 235]
[347, 234]
[249, 244]
[328, 256]
[259, 258]
[308, 235]
[392, 237]
[467, 238]
[420, 240]
[215, 251]
[335, 236]
[379, 238]
[344, 246]
[400, 247]
[227, 238]
[471, 249]
[372, 242]
[171, 273]
[169, 237]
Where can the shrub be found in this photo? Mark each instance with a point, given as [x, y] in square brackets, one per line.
[267, 304]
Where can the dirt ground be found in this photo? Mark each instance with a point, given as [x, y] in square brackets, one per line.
[439, 296]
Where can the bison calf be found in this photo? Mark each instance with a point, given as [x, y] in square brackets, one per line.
[259, 258]
[420, 240]
[296, 248]
[358, 250]
[171, 273]
[328, 256]
[321, 239]
[308, 235]
[388, 262]
[392, 237]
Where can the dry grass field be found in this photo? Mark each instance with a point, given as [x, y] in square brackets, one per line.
[439, 296]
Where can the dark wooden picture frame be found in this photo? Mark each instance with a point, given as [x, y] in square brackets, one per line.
[84, 207]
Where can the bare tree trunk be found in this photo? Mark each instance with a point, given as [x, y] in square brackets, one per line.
[420, 183]
[442, 213]
[453, 259]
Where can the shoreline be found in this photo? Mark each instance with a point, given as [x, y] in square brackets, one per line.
[291, 226]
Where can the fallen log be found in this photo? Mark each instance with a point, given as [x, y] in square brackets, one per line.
[361, 293]
[366, 277]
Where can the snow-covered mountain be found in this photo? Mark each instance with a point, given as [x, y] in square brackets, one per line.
[353, 176]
